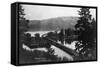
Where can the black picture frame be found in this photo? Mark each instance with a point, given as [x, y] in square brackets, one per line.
[15, 32]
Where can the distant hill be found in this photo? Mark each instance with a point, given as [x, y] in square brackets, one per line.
[53, 23]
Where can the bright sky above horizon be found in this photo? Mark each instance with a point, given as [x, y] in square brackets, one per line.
[37, 12]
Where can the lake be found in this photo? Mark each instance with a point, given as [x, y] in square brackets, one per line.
[58, 51]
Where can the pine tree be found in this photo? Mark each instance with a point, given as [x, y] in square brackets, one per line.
[86, 34]
[23, 23]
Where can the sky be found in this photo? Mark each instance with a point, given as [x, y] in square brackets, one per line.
[37, 12]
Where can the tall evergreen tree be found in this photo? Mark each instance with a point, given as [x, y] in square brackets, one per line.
[86, 35]
[23, 23]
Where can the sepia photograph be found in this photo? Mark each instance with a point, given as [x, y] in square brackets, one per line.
[49, 34]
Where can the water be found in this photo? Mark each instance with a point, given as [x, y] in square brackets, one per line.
[58, 51]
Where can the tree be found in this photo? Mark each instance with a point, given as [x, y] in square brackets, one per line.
[86, 29]
[23, 23]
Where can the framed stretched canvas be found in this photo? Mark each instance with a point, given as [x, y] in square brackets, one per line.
[52, 33]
